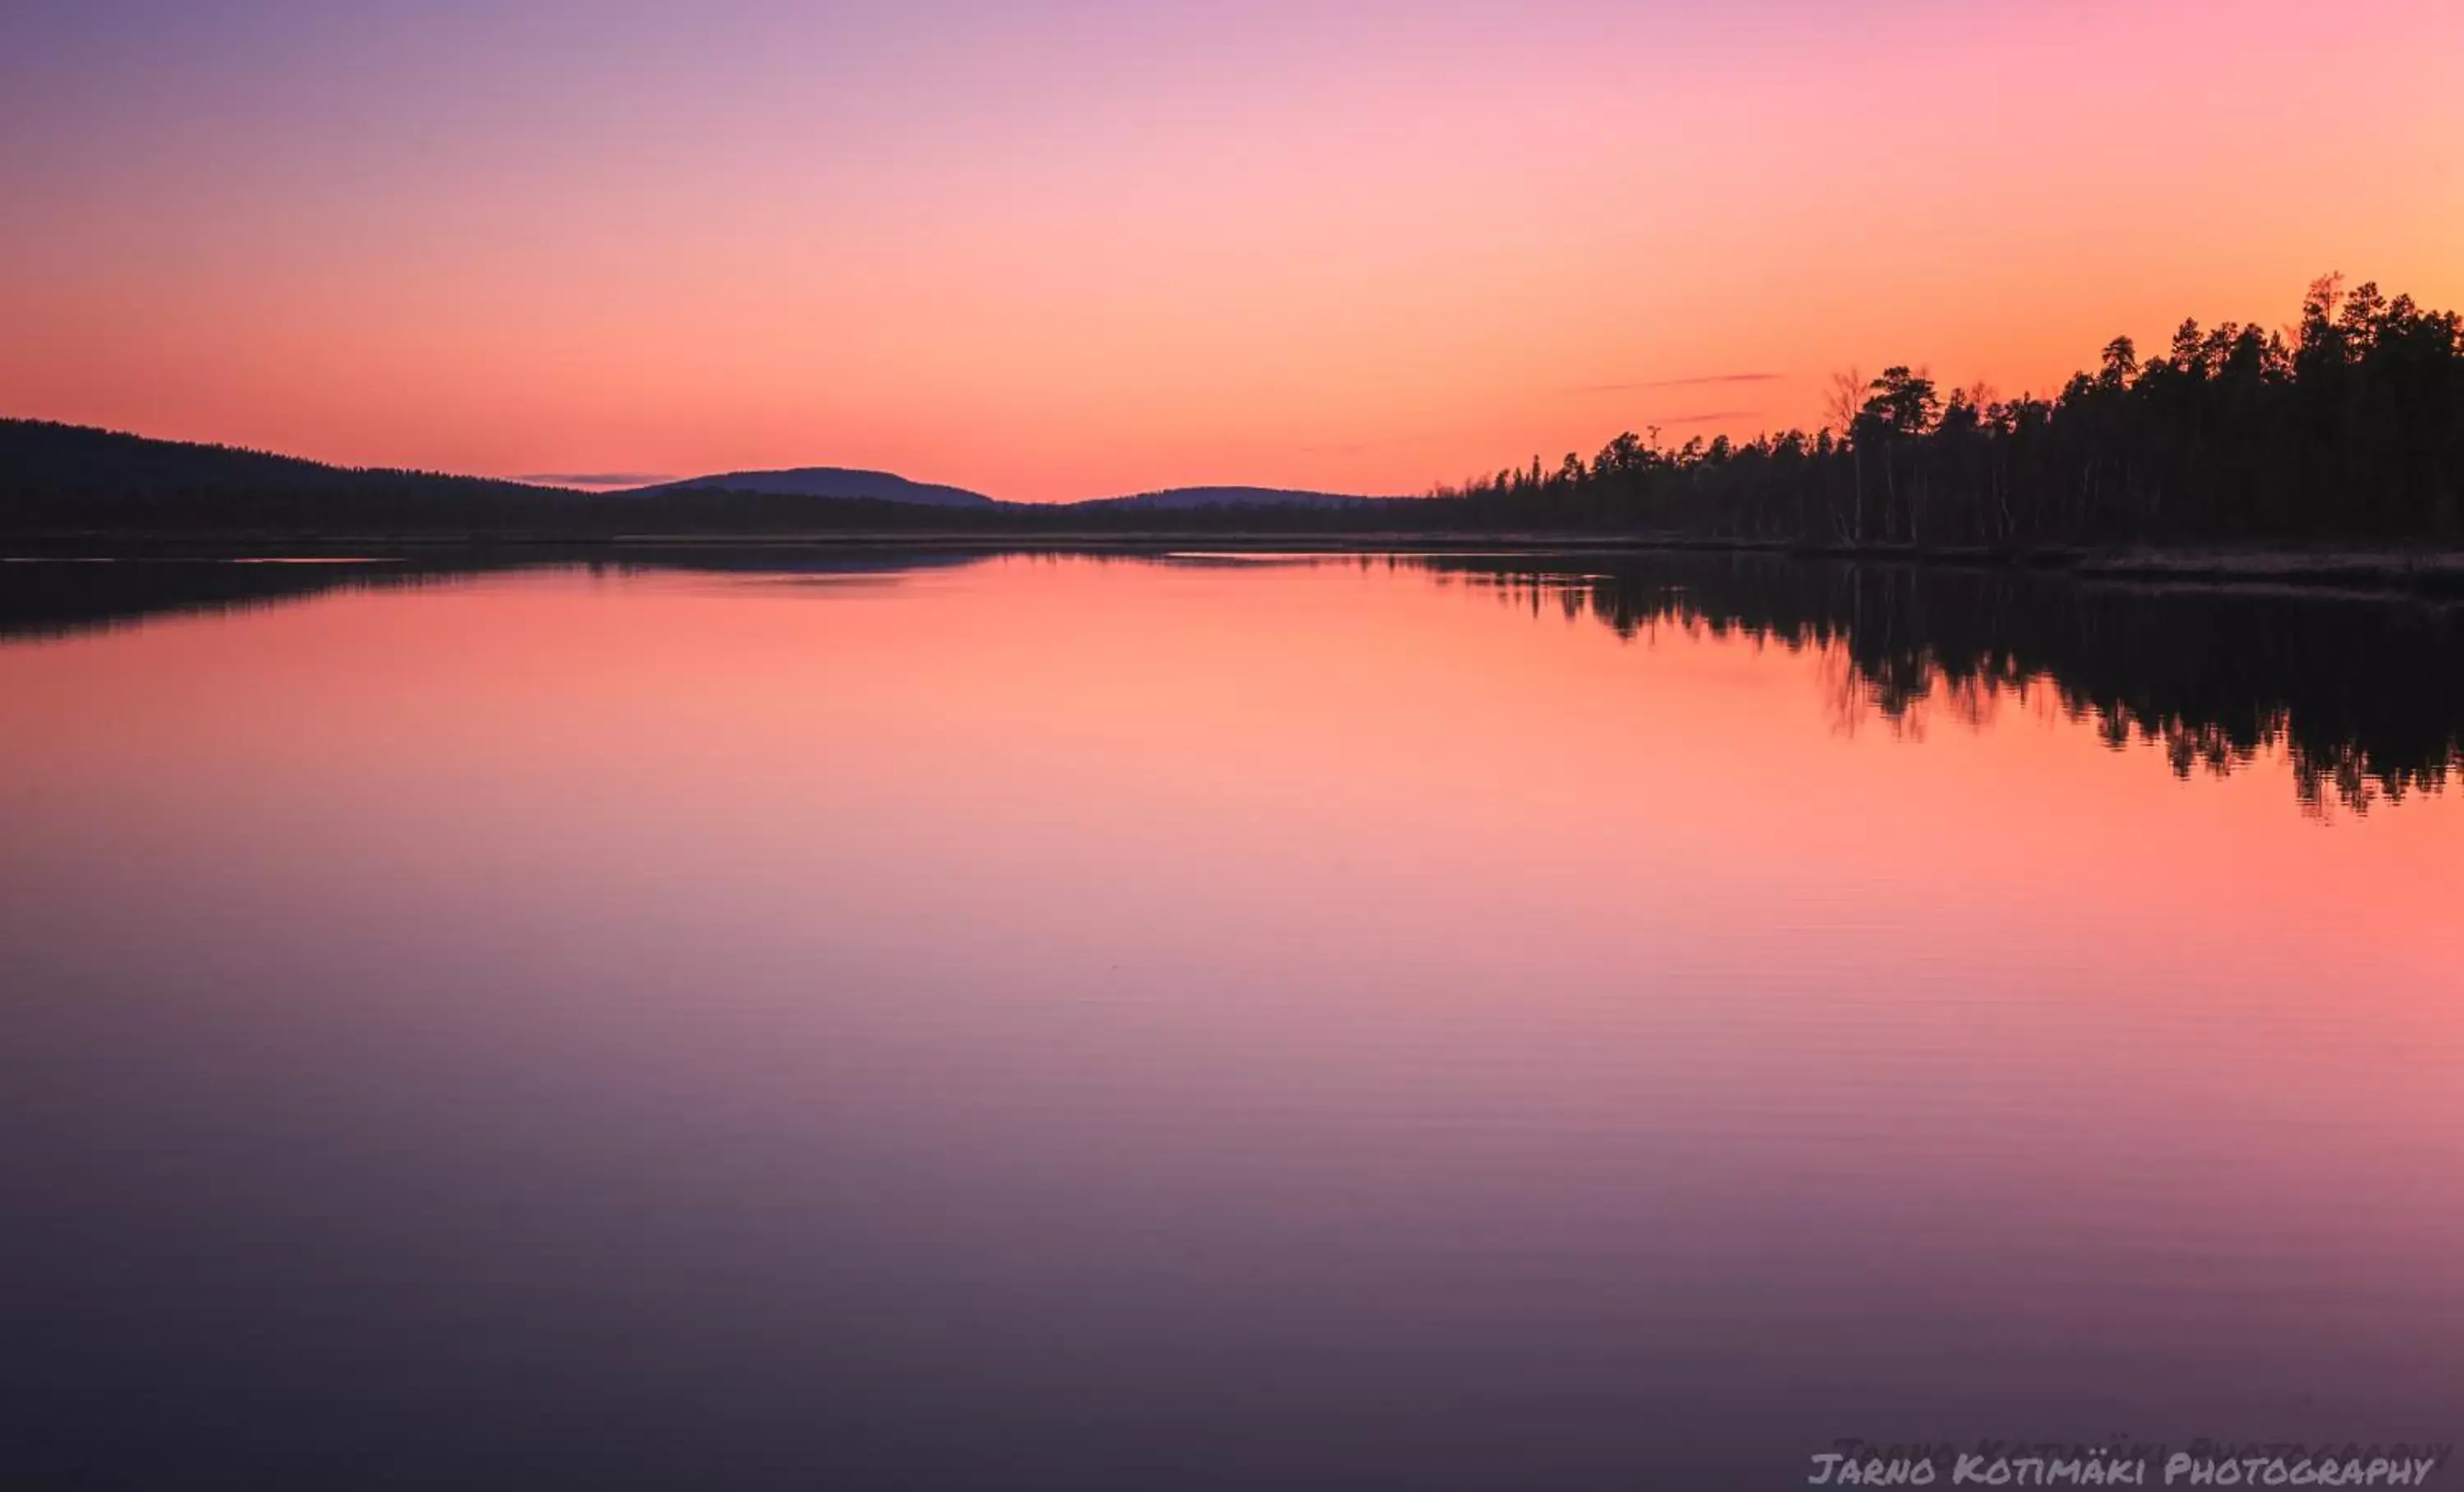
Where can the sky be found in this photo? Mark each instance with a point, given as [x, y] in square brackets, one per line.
[1069, 249]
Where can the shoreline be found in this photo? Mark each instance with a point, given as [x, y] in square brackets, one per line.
[2374, 569]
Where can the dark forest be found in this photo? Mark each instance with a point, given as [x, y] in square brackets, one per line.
[2348, 426]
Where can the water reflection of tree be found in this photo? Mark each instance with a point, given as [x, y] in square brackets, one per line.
[46, 599]
[2363, 697]
[60, 599]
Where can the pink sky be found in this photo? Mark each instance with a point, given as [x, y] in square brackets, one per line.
[1072, 249]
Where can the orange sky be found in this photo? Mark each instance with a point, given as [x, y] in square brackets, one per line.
[1070, 250]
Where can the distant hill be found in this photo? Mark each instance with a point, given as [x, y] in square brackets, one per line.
[42, 456]
[70, 481]
[833, 482]
[830, 482]
[1175, 499]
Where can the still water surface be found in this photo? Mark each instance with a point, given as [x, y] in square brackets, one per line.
[1031, 1021]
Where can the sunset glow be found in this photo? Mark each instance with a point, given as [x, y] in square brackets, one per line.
[1061, 251]
[1230, 743]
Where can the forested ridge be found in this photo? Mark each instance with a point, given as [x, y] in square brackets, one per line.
[2348, 425]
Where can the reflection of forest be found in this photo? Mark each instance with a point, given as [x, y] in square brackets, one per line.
[47, 598]
[51, 598]
[2365, 696]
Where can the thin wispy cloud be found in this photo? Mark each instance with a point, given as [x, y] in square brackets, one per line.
[1698, 382]
[1708, 418]
[596, 479]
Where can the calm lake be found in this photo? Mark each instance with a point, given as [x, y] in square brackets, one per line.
[954, 1021]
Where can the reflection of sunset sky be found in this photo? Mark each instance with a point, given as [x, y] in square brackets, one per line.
[1126, 956]
[1045, 710]
[1055, 251]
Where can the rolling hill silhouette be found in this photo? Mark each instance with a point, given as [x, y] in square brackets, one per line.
[76, 477]
[1177, 498]
[41, 456]
[828, 481]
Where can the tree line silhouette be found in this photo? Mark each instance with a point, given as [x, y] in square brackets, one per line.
[2348, 426]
